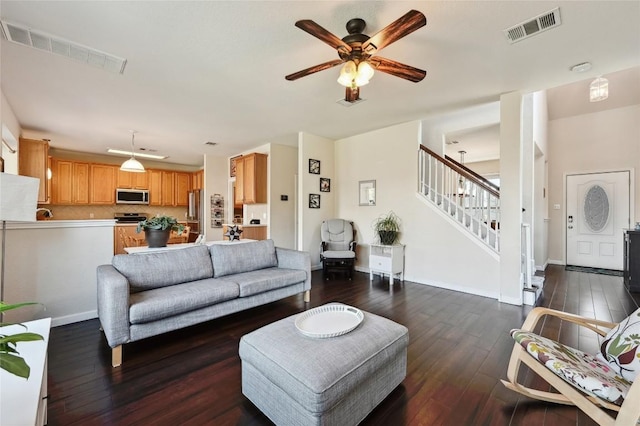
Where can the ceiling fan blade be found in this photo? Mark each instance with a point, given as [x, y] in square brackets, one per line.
[352, 95]
[398, 69]
[317, 31]
[314, 69]
[401, 27]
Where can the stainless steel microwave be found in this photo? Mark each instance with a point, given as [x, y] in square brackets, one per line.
[132, 196]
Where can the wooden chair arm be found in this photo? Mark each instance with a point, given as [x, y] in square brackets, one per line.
[592, 324]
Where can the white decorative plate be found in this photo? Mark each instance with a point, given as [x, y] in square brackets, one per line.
[329, 320]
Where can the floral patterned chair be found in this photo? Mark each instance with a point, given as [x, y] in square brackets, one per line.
[593, 383]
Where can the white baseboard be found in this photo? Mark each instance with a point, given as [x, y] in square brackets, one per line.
[543, 267]
[69, 319]
[511, 300]
[556, 262]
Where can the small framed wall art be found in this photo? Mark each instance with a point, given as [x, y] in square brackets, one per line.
[325, 185]
[367, 193]
[314, 166]
[314, 201]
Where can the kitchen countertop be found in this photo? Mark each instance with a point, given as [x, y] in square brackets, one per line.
[244, 226]
[145, 249]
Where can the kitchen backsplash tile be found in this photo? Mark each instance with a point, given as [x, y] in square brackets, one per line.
[65, 212]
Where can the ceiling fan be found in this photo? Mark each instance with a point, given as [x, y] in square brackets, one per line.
[357, 51]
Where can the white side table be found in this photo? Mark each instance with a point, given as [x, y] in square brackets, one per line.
[24, 402]
[386, 260]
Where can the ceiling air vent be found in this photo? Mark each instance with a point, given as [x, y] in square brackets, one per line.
[533, 26]
[25, 36]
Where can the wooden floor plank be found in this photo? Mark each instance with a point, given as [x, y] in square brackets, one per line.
[458, 351]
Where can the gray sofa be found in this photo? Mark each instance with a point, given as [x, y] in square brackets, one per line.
[143, 295]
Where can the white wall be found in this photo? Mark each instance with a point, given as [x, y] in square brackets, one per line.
[10, 133]
[309, 220]
[54, 263]
[283, 171]
[510, 197]
[434, 247]
[540, 195]
[216, 171]
[603, 141]
[485, 168]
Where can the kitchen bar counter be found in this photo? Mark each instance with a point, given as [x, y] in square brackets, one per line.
[145, 249]
[41, 224]
[255, 232]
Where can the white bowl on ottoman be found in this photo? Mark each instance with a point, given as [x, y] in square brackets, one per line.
[299, 380]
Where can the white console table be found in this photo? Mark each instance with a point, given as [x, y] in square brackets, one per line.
[386, 260]
[24, 402]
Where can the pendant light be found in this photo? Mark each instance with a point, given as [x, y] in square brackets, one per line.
[599, 89]
[132, 165]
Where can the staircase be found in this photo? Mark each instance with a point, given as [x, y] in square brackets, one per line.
[466, 197]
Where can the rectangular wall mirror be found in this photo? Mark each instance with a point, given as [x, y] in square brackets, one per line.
[367, 192]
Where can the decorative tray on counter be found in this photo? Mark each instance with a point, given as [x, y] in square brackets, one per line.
[329, 321]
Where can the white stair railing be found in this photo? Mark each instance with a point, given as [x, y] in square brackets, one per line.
[468, 199]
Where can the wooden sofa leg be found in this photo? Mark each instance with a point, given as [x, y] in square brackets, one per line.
[307, 296]
[116, 356]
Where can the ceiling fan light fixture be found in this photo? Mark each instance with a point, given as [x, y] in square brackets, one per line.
[132, 165]
[348, 74]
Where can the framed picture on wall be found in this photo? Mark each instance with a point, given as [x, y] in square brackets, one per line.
[325, 185]
[314, 166]
[314, 201]
[1, 164]
[367, 193]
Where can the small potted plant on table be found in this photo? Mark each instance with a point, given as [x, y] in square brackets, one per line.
[387, 227]
[157, 229]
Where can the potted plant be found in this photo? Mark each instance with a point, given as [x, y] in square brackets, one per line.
[387, 227]
[10, 359]
[157, 229]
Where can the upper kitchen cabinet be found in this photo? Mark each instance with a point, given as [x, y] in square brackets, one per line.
[155, 187]
[103, 184]
[33, 160]
[69, 182]
[182, 186]
[197, 180]
[251, 179]
[168, 188]
[132, 180]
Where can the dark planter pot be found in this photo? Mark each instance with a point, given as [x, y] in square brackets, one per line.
[157, 237]
[387, 237]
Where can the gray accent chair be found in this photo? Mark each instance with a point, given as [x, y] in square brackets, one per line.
[338, 247]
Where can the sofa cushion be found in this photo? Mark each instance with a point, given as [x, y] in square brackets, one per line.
[160, 303]
[235, 258]
[255, 282]
[620, 347]
[158, 269]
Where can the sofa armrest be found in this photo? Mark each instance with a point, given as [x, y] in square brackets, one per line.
[294, 259]
[113, 305]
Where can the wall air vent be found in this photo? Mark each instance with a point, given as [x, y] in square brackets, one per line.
[533, 26]
[20, 34]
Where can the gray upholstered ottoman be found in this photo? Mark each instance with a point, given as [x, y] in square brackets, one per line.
[298, 380]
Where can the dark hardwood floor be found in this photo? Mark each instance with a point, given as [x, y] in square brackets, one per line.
[459, 349]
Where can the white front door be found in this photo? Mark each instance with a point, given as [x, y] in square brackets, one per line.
[597, 212]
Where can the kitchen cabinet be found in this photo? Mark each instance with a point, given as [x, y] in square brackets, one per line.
[155, 187]
[251, 179]
[102, 184]
[132, 180]
[197, 180]
[631, 265]
[182, 186]
[33, 160]
[69, 182]
[168, 189]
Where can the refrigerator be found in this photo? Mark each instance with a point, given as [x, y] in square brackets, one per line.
[195, 214]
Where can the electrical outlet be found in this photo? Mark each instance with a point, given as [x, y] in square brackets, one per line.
[556, 206]
[91, 216]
